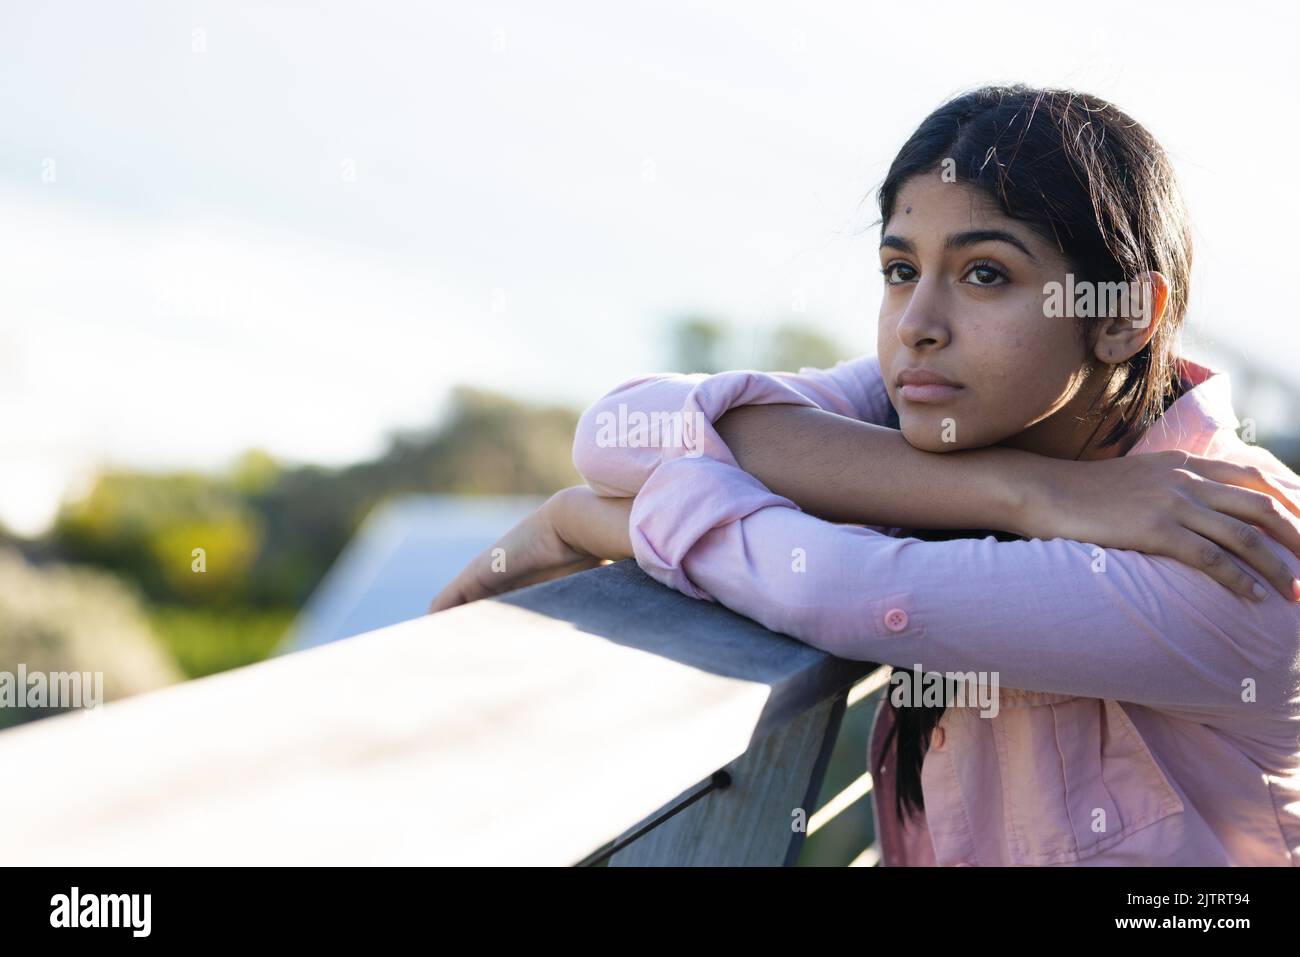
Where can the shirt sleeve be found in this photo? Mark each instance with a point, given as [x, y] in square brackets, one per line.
[621, 438]
[1054, 616]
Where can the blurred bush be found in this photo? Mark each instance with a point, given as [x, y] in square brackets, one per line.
[794, 346]
[58, 618]
[207, 640]
[145, 527]
[700, 343]
[268, 533]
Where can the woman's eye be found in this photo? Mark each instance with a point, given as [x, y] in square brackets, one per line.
[891, 276]
[987, 275]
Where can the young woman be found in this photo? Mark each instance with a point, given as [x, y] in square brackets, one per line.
[1136, 602]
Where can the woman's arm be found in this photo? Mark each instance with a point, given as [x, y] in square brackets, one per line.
[1134, 502]
[1169, 503]
[621, 437]
[1193, 509]
[848, 471]
[815, 436]
[1187, 507]
[574, 530]
[809, 437]
[1061, 616]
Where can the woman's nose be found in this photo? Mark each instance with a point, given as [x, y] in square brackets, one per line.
[922, 322]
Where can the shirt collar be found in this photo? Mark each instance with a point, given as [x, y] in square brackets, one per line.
[1191, 422]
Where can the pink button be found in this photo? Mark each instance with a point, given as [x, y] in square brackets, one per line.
[895, 619]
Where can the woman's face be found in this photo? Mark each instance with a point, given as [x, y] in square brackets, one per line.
[964, 300]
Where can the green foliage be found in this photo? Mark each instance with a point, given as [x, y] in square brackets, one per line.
[703, 344]
[253, 472]
[793, 346]
[146, 528]
[490, 445]
[207, 640]
[268, 533]
[60, 618]
[697, 344]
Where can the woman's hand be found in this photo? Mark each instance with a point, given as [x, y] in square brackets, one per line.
[573, 531]
[1207, 513]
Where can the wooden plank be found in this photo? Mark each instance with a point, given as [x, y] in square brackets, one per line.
[749, 823]
[494, 733]
[622, 604]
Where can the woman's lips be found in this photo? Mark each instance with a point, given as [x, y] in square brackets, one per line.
[929, 394]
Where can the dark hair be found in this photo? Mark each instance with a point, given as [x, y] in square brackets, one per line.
[1094, 182]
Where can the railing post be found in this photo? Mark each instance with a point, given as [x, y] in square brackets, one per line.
[753, 821]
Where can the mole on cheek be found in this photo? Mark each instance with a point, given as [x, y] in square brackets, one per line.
[908, 210]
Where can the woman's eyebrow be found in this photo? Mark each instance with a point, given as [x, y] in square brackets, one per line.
[958, 240]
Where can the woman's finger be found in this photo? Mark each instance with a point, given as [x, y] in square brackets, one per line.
[554, 572]
[1198, 552]
[447, 598]
[468, 586]
[1245, 476]
[1257, 508]
[1221, 539]
[465, 587]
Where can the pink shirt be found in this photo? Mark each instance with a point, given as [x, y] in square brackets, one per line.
[1147, 715]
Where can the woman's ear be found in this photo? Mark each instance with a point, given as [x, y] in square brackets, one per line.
[1125, 335]
[1153, 298]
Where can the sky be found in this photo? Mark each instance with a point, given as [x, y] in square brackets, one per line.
[296, 226]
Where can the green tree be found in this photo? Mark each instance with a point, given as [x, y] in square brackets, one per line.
[56, 617]
[795, 345]
[696, 345]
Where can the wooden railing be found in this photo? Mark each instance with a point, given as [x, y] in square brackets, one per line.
[595, 719]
